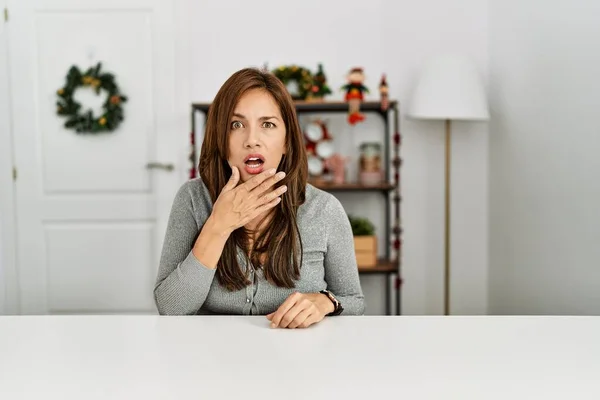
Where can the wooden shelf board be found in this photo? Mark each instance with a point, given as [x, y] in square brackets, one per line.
[383, 266]
[321, 106]
[352, 186]
[330, 106]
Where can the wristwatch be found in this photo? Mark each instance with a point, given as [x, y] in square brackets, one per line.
[337, 310]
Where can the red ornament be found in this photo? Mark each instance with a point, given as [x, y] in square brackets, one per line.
[311, 147]
[192, 172]
[399, 282]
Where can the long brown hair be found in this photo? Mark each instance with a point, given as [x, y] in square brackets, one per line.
[280, 240]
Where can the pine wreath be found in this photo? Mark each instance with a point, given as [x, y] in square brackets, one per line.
[301, 75]
[86, 122]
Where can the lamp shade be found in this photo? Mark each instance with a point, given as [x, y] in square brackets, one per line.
[449, 87]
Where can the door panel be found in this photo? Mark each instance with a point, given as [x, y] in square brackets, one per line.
[101, 163]
[90, 215]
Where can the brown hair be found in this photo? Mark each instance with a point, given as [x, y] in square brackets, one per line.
[280, 240]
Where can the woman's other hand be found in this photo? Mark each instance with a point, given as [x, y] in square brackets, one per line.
[301, 310]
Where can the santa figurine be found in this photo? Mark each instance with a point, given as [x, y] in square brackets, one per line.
[355, 91]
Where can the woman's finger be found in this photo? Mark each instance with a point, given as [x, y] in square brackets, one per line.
[250, 184]
[300, 318]
[267, 185]
[261, 209]
[233, 180]
[284, 308]
[293, 312]
[312, 319]
[271, 196]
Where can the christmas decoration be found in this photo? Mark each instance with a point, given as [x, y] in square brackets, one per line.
[319, 147]
[355, 94]
[192, 156]
[319, 89]
[337, 165]
[383, 91]
[86, 122]
[298, 80]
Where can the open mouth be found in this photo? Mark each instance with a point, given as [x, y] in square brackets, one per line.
[254, 163]
[254, 160]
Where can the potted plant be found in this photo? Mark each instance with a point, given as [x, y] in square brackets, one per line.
[365, 241]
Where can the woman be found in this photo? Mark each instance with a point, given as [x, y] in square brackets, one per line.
[245, 239]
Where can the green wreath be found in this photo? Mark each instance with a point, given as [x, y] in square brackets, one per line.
[86, 122]
[301, 75]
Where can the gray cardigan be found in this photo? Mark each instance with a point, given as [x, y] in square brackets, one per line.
[186, 286]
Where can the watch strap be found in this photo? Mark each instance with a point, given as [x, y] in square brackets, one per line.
[337, 306]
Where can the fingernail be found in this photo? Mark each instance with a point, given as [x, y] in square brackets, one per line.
[272, 171]
[280, 174]
[284, 188]
[273, 325]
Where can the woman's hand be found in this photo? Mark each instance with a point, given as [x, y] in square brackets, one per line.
[301, 310]
[238, 205]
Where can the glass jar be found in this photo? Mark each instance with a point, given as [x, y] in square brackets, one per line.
[370, 157]
[370, 172]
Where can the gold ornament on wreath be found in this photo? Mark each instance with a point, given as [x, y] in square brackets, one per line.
[85, 121]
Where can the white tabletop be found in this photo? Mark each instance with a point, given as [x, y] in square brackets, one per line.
[151, 357]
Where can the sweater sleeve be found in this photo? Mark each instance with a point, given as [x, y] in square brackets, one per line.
[341, 271]
[183, 282]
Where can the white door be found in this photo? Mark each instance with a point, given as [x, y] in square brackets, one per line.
[90, 213]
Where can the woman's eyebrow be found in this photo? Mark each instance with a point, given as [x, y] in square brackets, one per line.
[238, 115]
[266, 118]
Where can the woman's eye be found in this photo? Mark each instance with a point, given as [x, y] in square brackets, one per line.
[236, 125]
[268, 125]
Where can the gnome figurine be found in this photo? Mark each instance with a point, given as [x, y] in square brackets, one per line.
[355, 91]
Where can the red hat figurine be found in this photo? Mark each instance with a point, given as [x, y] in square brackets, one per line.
[355, 91]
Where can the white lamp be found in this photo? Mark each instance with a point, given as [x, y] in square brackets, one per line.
[449, 88]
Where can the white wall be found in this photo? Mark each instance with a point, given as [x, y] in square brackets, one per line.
[545, 157]
[415, 31]
[394, 37]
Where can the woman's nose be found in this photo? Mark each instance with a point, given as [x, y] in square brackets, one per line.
[252, 140]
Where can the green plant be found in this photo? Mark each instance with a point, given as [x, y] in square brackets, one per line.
[361, 226]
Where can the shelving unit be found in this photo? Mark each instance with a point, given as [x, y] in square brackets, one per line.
[390, 265]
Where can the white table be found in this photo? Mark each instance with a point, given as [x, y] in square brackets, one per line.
[150, 357]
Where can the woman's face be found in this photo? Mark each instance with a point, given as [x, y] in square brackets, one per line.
[256, 134]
